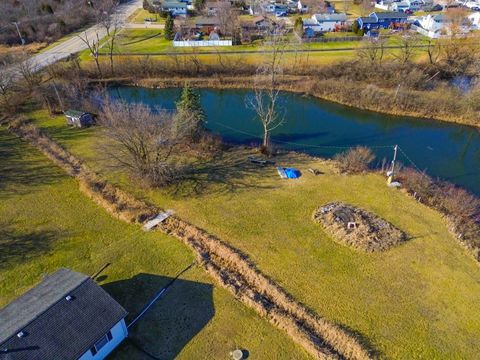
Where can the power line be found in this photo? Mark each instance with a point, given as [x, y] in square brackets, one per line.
[303, 144]
[158, 295]
[410, 160]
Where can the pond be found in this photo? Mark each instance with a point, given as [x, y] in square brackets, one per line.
[445, 150]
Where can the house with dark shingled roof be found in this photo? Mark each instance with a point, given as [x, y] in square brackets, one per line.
[66, 316]
[381, 20]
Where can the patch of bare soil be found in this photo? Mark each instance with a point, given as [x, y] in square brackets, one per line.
[358, 228]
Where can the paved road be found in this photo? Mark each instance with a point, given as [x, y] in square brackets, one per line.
[75, 44]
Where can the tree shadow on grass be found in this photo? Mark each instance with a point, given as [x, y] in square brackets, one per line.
[225, 174]
[20, 168]
[178, 316]
[18, 246]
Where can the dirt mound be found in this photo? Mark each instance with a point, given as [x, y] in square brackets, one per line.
[358, 228]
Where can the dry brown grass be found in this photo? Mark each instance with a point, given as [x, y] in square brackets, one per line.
[356, 160]
[461, 208]
[370, 233]
[441, 104]
[231, 268]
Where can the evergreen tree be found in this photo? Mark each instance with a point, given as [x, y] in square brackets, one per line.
[298, 27]
[168, 32]
[190, 117]
[356, 27]
[198, 5]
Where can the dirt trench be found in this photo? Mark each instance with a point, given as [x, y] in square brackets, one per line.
[227, 265]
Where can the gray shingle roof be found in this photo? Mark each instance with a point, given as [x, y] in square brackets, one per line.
[330, 17]
[309, 22]
[391, 15]
[56, 328]
[369, 20]
[202, 21]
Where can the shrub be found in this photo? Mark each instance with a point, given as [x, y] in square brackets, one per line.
[460, 207]
[355, 160]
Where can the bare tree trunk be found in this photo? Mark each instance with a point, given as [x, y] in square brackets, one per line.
[265, 101]
[93, 47]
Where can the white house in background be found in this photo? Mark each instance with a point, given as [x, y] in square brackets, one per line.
[416, 5]
[175, 8]
[325, 22]
[433, 26]
[474, 19]
[66, 316]
[400, 6]
[383, 4]
[304, 6]
[473, 5]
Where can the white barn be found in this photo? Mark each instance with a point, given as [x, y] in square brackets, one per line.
[66, 316]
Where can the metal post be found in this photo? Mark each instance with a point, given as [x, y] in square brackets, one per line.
[391, 173]
[395, 149]
[19, 33]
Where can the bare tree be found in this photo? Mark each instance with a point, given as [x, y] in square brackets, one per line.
[6, 88]
[408, 42]
[227, 17]
[365, 7]
[28, 72]
[266, 99]
[93, 47]
[140, 140]
[433, 51]
[52, 73]
[105, 14]
[372, 50]
[458, 52]
[111, 41]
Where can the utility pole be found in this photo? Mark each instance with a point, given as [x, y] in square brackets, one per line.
[19, 33]
[391, 173]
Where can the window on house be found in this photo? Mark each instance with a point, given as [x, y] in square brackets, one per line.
[101, 343]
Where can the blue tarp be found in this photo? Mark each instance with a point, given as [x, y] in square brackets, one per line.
[292, 173]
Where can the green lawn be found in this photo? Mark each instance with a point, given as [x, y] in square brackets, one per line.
[141, 41]
[416, 301]
[46, 223]
[139, 16]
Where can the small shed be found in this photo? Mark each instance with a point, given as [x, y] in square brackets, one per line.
[79, 118]
[66, 316]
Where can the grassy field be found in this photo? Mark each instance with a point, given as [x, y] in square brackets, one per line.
[46, 223]
[139, 16]
[141, 41]
[414, 301]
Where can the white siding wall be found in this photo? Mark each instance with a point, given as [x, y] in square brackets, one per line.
[329, 25]
[119, 332]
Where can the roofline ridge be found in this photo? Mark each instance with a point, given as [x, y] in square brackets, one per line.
[48, 308]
